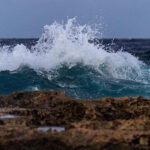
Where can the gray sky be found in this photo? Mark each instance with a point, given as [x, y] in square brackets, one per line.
[120, 18]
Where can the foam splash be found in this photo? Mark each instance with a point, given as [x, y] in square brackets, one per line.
[68, 44]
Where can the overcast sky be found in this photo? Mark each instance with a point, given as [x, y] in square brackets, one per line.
[120, 18]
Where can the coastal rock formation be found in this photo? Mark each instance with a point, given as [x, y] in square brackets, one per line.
[48, 120]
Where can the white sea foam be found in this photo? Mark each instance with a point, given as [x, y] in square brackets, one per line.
[68, 44]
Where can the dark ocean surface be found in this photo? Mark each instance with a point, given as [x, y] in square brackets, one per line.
[79, 80]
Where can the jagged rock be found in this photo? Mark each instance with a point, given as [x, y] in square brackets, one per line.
[107, 123]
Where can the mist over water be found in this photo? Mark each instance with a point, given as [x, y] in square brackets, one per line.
[63, 59]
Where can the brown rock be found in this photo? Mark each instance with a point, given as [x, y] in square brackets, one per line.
[107, 123]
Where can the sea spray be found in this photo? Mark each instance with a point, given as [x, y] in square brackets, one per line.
[64, 59]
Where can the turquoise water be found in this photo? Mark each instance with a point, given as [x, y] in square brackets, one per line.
[79, 82]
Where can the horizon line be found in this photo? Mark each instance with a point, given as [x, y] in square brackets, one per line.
[12, 38]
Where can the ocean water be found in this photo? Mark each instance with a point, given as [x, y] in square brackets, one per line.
[72, 58]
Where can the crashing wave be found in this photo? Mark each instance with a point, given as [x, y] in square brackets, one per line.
[68, 44]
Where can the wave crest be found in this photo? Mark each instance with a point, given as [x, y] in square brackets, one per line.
[68, 44]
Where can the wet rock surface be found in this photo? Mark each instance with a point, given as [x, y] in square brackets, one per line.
[48, 120]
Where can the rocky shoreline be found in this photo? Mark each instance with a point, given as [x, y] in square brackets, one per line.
[49, 120]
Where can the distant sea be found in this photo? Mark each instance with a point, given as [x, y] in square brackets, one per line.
[70, 59]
